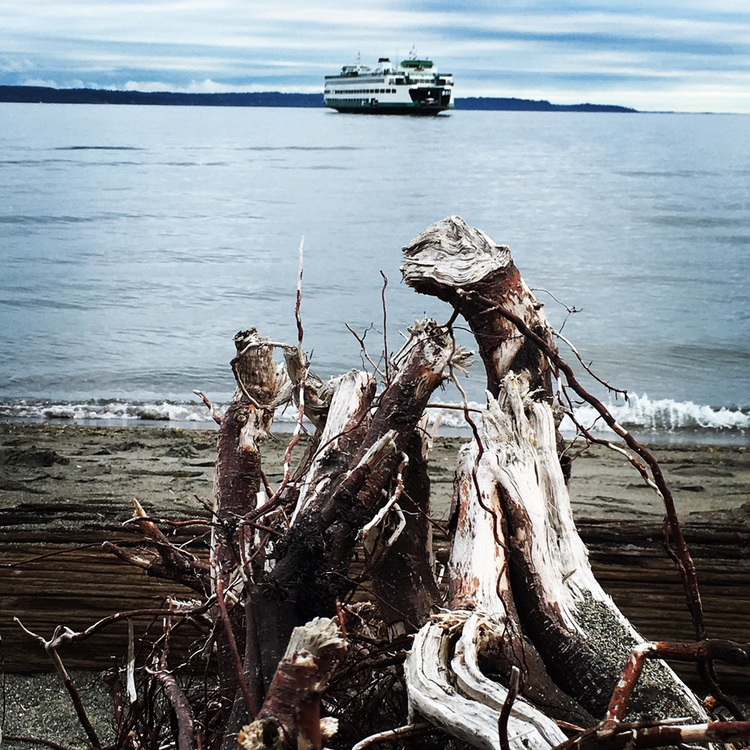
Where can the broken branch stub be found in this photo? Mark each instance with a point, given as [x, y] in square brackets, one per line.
[462, 266]
[290, 715]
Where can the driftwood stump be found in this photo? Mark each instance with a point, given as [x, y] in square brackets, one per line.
[323, 595]
[521, 586]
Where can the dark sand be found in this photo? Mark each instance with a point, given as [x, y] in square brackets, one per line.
[65, 484]
[49, 473]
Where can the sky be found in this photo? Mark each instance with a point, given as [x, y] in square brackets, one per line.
[677, 55]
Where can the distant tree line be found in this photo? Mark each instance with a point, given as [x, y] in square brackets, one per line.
[532, 105]
[48, 95]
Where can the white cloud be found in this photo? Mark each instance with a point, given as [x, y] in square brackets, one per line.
[15, 65]
[630, 53]
[46, 82]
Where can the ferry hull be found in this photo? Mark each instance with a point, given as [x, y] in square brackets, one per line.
[389, 109]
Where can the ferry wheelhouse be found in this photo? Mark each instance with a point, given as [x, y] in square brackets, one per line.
[412, 88]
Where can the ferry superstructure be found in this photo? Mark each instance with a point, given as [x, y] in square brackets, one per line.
[414, 87]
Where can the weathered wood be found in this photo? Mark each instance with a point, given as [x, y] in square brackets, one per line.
[576, 628]
[239, 481]
[76, 586]
[310, 569]
[290, 715]
[480, 578]
[521, 592]
[347, 422]
[575, 625]
[432, 695]
[465, 268]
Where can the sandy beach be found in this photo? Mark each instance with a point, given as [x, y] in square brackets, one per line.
[67, 485]
[90, 474]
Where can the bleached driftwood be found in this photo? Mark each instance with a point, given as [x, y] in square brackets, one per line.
[516, 558]
[347, 421]
[521, 597]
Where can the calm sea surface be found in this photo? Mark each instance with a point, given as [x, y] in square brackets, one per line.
[135, 241]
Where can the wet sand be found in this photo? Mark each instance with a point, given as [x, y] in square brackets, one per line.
[67, 484]
[75, 477]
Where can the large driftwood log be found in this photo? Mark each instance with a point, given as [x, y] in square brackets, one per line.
[520, 594]
[512, 495]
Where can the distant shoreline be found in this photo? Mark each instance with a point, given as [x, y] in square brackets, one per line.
[48, 95]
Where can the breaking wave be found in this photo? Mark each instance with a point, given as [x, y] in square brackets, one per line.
[667, 415]
[639, 414]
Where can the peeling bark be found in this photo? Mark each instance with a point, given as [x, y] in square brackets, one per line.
[238, 483]
[290, 716]
[516, 553]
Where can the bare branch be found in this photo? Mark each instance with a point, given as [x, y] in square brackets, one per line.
[210, 406]
[385, 327]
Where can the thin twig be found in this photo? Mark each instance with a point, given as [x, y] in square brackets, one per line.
[226, 622]
[36, 558]
[51, 648]
[363, 347]
[298, 303]
[502, 721]
[587, 367]
[210, 406]
[383, 512]
[401, 733]
[64, 635]
[385, 328]
[177, 700]
[130, 667]
[455, 407]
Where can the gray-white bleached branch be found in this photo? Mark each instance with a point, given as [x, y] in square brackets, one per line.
[516, 559]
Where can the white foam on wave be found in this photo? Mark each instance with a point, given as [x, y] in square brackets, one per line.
[639, 413]
[105, 411]
[667, 415]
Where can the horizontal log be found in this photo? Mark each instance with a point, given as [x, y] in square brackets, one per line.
[79, 586]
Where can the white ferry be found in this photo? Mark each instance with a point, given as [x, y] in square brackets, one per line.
[412, 88]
